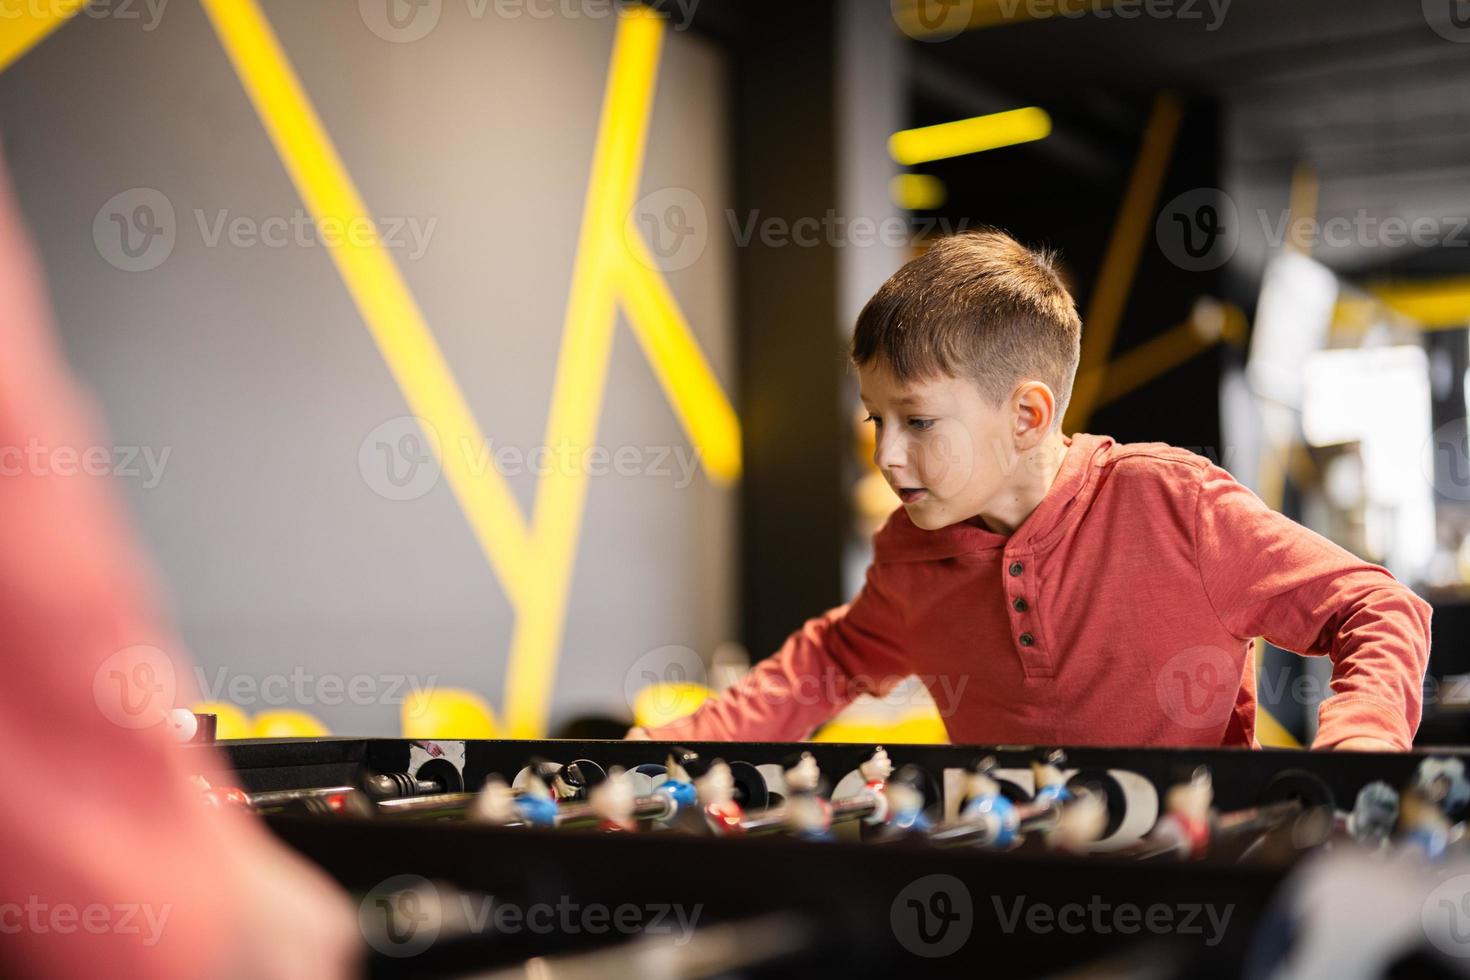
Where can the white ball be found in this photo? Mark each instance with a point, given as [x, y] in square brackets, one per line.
[182, 724]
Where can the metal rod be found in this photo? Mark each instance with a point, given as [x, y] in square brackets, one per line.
[1255, 818]
[436, 805]
[276, 798]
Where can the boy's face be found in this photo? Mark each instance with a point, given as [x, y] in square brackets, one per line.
[941, 445]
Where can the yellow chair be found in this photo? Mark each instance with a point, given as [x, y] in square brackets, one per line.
[855, 731]
[659, 704]
[288, 724]
[447, 713]
[919, 729]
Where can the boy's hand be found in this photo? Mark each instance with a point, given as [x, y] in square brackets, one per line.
[1364, 743]
[637, 734]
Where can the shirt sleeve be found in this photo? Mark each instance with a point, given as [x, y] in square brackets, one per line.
[821, 668]
[112, 827]
[1266, 575]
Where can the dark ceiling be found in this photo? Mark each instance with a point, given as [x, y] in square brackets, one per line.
[1373, 94]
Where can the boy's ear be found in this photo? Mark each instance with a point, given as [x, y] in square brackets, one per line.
[1036, 410]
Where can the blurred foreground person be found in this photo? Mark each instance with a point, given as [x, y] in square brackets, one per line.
[112, 866]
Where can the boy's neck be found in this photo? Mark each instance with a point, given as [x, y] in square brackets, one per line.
[1034, 474]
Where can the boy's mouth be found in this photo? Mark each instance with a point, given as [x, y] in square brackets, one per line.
[910, 494]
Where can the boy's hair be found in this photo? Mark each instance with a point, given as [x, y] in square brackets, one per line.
[979, 305]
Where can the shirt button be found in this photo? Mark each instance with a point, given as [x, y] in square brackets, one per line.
[1027, 639]
[1020, 605]
[1017, 568]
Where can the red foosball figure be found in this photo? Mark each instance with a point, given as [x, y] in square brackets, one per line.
[808, 815]
[612, 800]
[1186, 821]
[496, 804]
[716, 788]
[875, 770]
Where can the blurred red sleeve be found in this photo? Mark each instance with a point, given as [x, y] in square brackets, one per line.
[112, 864]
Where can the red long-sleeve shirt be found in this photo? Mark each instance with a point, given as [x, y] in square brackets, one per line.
[112, 864]
[1121, 611]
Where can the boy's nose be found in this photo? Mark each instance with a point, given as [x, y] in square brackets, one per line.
[888, 453]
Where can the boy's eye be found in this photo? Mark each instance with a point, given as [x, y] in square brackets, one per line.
[874, 419]
[921, 424]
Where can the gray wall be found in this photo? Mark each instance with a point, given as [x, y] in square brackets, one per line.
[252, 369]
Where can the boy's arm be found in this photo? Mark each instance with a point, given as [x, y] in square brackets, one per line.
[851, 650]
[1268, 576]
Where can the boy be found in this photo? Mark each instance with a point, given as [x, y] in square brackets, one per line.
[1057, 590]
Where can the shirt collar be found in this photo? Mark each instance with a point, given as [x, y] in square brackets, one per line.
[1063, 505]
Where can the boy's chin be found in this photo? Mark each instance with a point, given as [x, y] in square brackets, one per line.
[926, 516]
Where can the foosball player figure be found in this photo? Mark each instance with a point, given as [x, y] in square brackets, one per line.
[678, 785]
[1375, 814]
[875, 770]
[548, 773]
[612, 801]
[988, 807]
[1186, 821]
[906, 801]
[496, 803]
[716, 787]
[534, 803]
[572, 782]
[1051, 785]
[1080, 824]
[220, 797]
[1441, 781]
[1423, 825]
[808, 816]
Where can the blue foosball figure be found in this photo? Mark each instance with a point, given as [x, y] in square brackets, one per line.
[1051, 785]
[989, 809]
[678, 785]
[534, 805]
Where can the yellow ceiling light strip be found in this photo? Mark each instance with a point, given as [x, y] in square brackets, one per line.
[1444, 303]
[687, 379]
[533, 565]
[940, 19]
[917, 192]
[24, 28]
[973, 135]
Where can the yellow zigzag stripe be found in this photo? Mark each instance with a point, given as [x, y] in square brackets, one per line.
[25, 28]
[534, 565]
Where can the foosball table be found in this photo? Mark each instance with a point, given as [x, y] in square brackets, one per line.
[597, 858]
